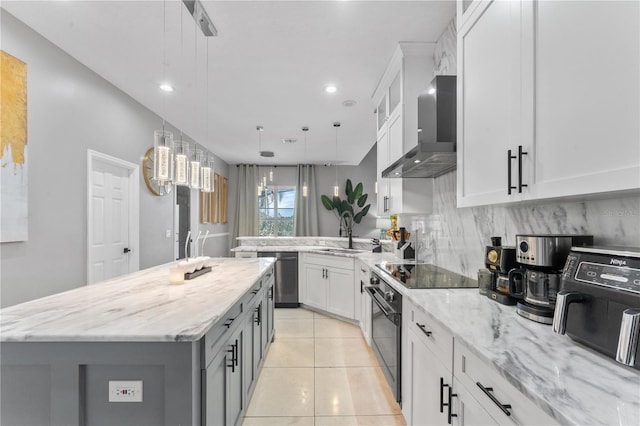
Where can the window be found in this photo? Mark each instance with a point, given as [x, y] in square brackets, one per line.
[276, 206]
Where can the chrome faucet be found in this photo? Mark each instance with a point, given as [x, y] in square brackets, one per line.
[186, 246]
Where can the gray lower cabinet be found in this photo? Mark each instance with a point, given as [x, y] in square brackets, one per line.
[223, 391]
[231, 373]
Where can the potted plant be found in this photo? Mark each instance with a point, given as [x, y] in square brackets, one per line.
[349, 211]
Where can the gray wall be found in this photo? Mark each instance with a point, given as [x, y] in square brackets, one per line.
[70, 110]
[365, 172]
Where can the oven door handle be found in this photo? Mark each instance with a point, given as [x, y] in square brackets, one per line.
[374, 293]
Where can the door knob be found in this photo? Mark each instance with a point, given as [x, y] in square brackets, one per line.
[126, 250]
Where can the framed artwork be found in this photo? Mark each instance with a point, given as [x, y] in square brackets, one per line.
[214, 206]
[14, 184]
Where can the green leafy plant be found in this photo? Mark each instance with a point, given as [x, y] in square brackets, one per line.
[351, 210]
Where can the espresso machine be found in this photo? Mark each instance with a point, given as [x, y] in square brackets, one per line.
[540, 260]
[500, 260]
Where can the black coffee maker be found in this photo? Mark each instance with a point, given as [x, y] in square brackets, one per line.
[540, 261]
[500, 260]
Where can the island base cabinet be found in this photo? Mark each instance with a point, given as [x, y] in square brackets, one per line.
[223, 391]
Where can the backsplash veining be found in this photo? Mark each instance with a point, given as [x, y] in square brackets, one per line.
[455, 239]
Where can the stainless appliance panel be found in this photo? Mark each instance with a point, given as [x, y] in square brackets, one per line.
[286, 278]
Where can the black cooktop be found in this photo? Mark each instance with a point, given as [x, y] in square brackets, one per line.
[424, 275]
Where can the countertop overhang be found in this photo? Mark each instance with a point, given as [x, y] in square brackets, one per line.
[138, 307]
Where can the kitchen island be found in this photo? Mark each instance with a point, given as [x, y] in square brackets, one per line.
[59, 353]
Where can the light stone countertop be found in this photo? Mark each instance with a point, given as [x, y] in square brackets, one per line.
[573, 384]
[138, 307]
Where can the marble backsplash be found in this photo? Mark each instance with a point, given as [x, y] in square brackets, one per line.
[455, 239]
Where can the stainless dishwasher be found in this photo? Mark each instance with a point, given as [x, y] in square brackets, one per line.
[286, 278]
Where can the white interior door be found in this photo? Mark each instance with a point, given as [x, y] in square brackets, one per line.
[112, 219]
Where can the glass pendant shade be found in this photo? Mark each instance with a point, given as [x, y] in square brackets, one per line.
[336, 191]
[205, 174]
[305, 190]
[181, 152]
[196, 160]
[163, 156]
[259, 190]
[270, 175]
[264, 180]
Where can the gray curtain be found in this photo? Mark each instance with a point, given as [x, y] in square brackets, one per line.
[305, 221]
[246, 224]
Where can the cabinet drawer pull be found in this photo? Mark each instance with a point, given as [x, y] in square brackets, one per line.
[487, 391]
[509, 158]
[255, 291]
[229, 322]
[422, 327]
[520, 154]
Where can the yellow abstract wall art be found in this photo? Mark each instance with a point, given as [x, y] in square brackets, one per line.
[13, 149]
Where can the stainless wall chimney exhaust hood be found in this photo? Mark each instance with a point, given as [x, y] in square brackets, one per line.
[435, 153]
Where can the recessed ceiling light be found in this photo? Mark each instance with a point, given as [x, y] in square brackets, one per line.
[267, 154]
[166, 87]
[432, 90]
[349, 103]
[330, 88]
[416, 161]
[289, 140]
[397, 173]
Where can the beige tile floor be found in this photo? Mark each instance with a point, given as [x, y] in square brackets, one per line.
[320, 371]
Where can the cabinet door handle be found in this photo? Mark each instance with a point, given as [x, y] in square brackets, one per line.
[361, 286]
[487, 391]
[424, 330]
[385, 204]
[442, 386]
[450, 415]
[229, 322]
[509, 158]
[232, 351]
[258, 318]
[236, 355]
[270, 293]
[520, 154]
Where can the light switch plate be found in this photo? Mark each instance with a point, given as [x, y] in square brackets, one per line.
[125, 390]
[168, 233]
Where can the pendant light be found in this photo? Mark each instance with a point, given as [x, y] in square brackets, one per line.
[181, 152]
[336, 188]
[305, 188]
[260, 129]
[162, 139]
[194, 166]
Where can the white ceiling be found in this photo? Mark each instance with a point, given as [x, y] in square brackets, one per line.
[267, 67]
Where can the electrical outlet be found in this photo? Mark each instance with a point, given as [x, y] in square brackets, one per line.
[125, 390]
[168, 233]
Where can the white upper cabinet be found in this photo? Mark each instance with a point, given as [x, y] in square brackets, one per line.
[407, 75]
[489, 99]
[586, 96]
[548, 101]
